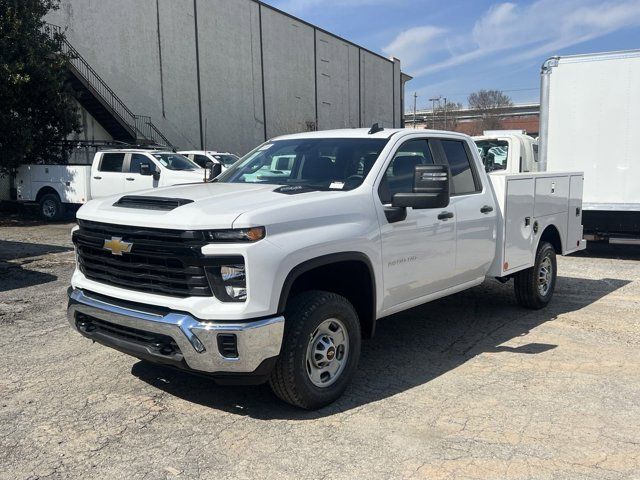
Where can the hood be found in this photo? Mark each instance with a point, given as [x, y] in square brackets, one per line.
[213, 205]
[175, 177]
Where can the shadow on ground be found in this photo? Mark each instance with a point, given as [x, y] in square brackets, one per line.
[409, 349]
[29, 216]
[612, 251]
[14, 256]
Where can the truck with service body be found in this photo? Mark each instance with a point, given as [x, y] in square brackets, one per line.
[265, 276]
[59, 187]
[508, 151]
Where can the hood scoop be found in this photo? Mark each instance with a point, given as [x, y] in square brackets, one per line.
[151, 203]
[294, 189]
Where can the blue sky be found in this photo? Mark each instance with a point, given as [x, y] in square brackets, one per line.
[460, 46]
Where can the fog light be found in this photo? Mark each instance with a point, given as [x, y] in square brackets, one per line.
[228, 282]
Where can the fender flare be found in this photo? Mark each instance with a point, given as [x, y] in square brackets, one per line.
[322, 261]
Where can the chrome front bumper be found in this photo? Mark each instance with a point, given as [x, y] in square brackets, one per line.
[257, 341]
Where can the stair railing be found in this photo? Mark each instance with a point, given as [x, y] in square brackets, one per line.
[140, 125]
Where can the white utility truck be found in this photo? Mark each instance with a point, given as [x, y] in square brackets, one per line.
[58, 187]
[510, 151]
[258, 277]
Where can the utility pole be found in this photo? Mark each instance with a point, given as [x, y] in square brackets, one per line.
[415, 102]
[433, 111]
[445, 113]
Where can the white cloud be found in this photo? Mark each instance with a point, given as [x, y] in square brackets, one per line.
[509, 33]
[410, 45]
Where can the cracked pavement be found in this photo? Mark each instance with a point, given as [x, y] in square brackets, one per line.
[469, 387]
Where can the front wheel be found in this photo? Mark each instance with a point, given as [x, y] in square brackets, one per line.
[534, 286]
[320, 350]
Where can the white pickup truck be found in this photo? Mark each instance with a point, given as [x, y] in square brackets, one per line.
[58, 187]
[253, 278]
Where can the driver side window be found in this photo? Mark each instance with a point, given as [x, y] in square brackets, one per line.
[398, 178]
[137, 160]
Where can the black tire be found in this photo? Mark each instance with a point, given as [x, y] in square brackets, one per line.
[527, 282]
[304, 314]
[51, 208]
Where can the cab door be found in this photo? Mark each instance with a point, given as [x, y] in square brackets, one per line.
[107, 176]
[474, 203]
[418, 252]
[133, 180]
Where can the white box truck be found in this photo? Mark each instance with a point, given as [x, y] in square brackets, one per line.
[590, 122]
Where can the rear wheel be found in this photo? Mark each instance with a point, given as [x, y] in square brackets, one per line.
[534, 286]
[51, 208]
[320, 350]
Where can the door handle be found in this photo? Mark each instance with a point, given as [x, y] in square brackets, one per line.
[486, 209]
[131, 179]
[445, 215]
[98, 178]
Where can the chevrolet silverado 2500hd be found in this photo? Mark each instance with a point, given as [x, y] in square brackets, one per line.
[277, 275]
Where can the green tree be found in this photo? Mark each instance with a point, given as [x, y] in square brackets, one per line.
[489, 103]
[37, 108]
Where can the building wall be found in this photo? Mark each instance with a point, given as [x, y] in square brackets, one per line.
[230, 73]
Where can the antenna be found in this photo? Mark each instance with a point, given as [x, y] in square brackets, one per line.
[375, 128]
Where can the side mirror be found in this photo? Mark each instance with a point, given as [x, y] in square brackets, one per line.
[214, 170]
[148, 170]
[430, 188]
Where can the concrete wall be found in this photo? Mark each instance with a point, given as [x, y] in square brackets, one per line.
[338, 82]
[230, 73]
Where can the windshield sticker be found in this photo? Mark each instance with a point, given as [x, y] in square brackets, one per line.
[265, 147]
[336, 185]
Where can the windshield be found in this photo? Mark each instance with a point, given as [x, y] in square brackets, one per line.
[493, 153]
[175, 161]
[320, 163]
[227, 159]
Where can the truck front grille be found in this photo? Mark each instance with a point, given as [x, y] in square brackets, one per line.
[160, 261]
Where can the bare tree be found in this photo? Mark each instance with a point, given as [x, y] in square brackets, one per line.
[442, 113]
[489, 103]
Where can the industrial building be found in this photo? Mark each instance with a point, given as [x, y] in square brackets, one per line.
[218, 74]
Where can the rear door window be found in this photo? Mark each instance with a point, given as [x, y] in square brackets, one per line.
[112, 162]
[462, 174]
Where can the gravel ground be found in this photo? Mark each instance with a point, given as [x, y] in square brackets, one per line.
[471, 386]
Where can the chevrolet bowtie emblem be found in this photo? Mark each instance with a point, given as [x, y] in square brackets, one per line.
[116, 246]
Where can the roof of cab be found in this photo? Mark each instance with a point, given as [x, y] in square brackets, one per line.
[364, 133]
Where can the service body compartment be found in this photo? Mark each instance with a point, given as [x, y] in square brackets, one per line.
[71, 182]
[528, 203]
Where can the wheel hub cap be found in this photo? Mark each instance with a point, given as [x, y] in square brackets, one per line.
[327, 352]
[545, 276]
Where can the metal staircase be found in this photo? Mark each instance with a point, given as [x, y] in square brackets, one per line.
[102, 103]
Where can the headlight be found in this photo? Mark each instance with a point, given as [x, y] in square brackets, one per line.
[228, 282]
[252, 234]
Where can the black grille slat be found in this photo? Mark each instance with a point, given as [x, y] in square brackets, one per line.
[161, 261]
[94, 256]
[141, 337]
